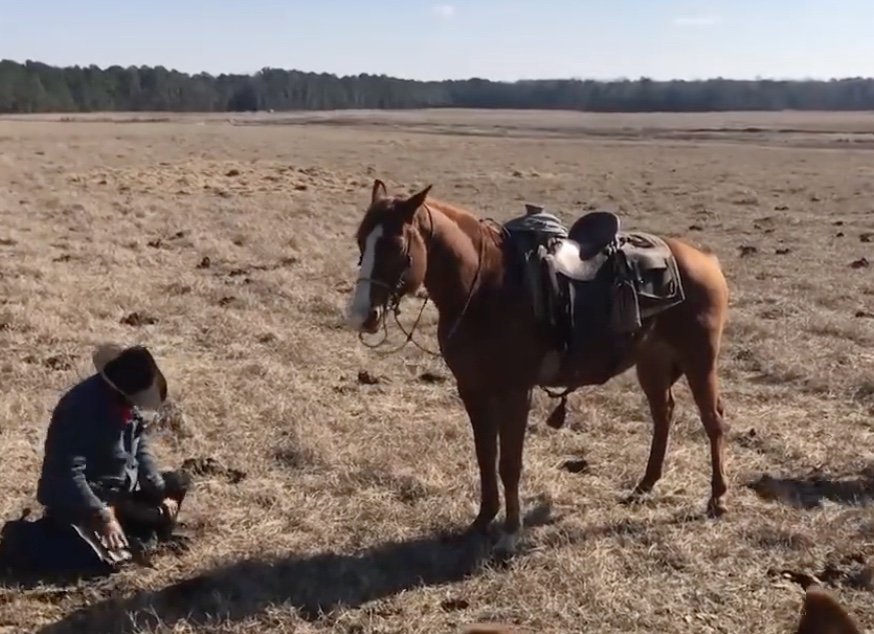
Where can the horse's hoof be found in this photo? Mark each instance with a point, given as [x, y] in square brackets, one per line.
[479, 527]
[632, 499]
[637, 496]
[716, 508]
[507, 544]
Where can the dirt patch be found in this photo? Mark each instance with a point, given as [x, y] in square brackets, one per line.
[812, 490]
[211, 467]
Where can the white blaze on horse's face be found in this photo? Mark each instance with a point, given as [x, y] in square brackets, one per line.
[360, 311]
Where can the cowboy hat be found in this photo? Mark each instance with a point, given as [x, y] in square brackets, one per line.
[133, 373]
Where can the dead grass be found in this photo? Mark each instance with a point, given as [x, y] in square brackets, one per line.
[232, 244]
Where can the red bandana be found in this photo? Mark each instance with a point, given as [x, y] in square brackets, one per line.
[124, 412]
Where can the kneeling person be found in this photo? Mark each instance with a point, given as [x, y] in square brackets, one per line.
[99, 474]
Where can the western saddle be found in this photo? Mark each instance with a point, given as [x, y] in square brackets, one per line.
[592, 280]
[581, 254]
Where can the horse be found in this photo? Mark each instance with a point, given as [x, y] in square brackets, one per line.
[498, 352]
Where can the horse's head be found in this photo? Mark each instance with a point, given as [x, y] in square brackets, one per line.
[393, 256]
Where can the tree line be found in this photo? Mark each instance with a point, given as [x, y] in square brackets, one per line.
[34, 87]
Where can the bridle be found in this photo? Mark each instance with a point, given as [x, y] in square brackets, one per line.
[395, 295]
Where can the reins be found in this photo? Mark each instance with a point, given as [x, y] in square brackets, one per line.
[394, 299]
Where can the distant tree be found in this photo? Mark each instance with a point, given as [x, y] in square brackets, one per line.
[38, 87]
[245, 98]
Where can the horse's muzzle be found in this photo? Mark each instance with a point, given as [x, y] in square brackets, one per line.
[368, 322]
[371, 324]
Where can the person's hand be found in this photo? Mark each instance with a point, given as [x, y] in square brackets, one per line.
[110, 532]
[171, 507]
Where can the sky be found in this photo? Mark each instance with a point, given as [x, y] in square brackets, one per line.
[420, 39]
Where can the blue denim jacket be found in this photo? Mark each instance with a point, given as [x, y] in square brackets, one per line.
[95, 448]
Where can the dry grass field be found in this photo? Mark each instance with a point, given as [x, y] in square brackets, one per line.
[341, 474]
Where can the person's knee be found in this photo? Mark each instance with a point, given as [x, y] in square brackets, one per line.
[176, 484]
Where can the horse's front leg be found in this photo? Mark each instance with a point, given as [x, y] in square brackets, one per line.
[485, 437]
[511, 412]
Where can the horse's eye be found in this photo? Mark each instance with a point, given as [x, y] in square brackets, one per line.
[360, 258]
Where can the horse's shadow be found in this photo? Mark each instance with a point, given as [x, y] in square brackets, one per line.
[313, 585]
[811, 490]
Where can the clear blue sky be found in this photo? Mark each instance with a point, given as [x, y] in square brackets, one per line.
[497, 39]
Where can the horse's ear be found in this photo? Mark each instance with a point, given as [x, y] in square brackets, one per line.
[412, 204]
[379, 191]
[821, 612]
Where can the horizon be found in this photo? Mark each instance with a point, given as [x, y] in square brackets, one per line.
[507, 41]
[523, 79]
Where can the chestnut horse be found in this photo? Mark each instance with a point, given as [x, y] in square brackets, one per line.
[489, 339]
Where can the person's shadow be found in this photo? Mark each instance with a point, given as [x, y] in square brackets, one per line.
[313, 585]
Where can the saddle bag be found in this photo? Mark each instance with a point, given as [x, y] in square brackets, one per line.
[624, 309]
[625, 317]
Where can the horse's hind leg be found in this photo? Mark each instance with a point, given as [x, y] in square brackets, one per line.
[704, 384]
[657, 371]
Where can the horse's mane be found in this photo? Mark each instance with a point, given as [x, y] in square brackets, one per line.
[455, 213]
[466, 220]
